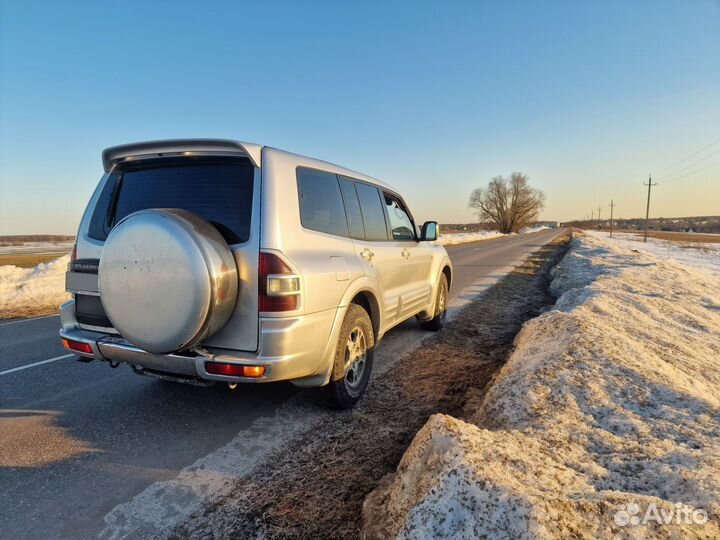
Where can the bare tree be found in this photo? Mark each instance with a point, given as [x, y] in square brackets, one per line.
[510, 203]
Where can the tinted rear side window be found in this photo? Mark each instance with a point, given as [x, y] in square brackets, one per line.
[372, 212]
[217, 190]
[352, 208]
[100, 220]
[321, 205]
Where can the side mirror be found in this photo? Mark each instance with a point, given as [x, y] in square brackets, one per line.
[430, 231]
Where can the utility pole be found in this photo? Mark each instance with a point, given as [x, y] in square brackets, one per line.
[599, 208]
[612, 206]
[647, 209]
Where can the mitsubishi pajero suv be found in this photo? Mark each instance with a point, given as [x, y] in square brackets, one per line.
[205, 261]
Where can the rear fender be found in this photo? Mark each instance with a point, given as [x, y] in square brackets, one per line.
[363, 284]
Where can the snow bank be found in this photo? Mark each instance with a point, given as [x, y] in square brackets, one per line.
[604, 422]
[32, 291]
[461, 238]
[701, 255]
[526, 230]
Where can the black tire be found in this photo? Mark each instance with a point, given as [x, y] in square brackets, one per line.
[440, 308]
[353, 359]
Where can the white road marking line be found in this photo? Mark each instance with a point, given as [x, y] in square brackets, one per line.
[41, 362]
[27, 320]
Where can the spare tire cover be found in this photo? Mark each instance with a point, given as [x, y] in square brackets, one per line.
[167, 279]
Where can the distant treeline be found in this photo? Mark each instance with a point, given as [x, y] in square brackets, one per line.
[449, 228]
[698, 224]
[21, 238]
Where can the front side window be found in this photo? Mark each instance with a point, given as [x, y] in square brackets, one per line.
[321, 204]
[400, 223]
[372, 212]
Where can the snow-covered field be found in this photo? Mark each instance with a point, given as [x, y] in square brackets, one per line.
[462, 238]
[33, 291]
[36, 248]
[604, 422]
[695, 254]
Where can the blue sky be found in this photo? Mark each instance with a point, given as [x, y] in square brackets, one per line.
[436, 98]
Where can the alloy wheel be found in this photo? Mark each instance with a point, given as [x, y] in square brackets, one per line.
[355, 358]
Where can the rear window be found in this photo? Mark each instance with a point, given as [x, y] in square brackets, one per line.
[352, 208]
[321, 205]
[218, 190]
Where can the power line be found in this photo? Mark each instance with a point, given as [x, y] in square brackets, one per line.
[633, 193]
[675, 178]
[689, 157]
[691, 164]
[669, 178]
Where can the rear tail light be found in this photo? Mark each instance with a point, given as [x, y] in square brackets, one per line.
[77, 346]
[279, 287]
[234, 370]
[73, 253]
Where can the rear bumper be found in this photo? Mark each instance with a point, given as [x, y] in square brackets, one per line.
[298, 349]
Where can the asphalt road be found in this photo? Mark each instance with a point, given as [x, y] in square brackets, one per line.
[77, 440]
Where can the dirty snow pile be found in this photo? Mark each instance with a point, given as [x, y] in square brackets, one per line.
[32, 291]
[604, 422]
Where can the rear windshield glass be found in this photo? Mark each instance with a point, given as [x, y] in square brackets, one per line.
[217, 190]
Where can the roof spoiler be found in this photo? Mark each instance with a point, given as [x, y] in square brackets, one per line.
[115, 154]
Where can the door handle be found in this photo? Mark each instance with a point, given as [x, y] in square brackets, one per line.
[405, 253]
[366, 254]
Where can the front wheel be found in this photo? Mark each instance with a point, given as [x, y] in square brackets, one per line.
[440, 309]
[353, 359]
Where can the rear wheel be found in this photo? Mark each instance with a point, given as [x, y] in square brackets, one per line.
[353, 359]
[440, 310]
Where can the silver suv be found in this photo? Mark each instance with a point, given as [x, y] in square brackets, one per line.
[205, 261]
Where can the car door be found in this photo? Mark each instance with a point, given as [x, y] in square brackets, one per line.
[415, 262]
[379, 258]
